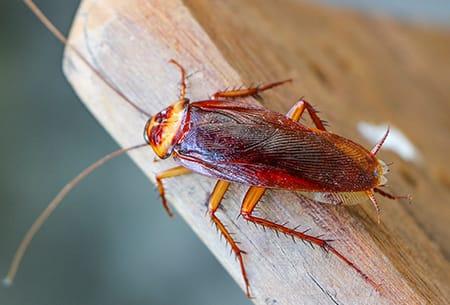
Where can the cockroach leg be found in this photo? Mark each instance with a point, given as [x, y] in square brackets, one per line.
[249, 203]
[183, 79]
[214, 203]
[254, 194]
[169, 173]
[390, 196]
[297, 110]
[372, 198]
[217, 195]
[246, 92]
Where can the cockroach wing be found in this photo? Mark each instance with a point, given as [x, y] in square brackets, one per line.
[255, 146]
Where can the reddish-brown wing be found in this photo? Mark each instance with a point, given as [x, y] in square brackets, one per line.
[249, 144]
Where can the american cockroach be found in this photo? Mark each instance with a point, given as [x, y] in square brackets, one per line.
[232, 138]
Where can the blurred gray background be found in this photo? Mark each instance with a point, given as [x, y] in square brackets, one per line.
[110, 242]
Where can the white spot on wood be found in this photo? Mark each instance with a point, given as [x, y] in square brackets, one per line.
[396, 141]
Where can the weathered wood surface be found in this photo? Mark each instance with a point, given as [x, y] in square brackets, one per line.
[351, 66]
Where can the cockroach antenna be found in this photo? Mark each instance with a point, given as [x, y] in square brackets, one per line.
[63, 39]
[87, 171]
[377, 147]
[53, 205]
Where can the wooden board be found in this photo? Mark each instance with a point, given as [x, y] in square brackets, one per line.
[353, 67]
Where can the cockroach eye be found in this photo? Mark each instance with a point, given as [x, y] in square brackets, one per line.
[146, 139]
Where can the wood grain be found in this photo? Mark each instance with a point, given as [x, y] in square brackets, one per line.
[353, 67]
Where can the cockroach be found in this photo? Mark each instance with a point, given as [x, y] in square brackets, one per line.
[232, 138]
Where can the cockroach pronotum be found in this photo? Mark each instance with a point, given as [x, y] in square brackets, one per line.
[236, 140]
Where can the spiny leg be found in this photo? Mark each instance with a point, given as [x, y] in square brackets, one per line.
[254, 194]
[246, 92]
[214, 202]
[252, 198]
[295, 114]
[372, 198]
[297, 110]
[371, 195]
[169, 173]
[390, 196]
[183, 79]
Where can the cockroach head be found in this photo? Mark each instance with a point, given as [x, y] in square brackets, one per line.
[381, 171]
[382, 168]
[164, 129]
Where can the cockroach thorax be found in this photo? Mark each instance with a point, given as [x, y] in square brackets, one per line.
[164, 129]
